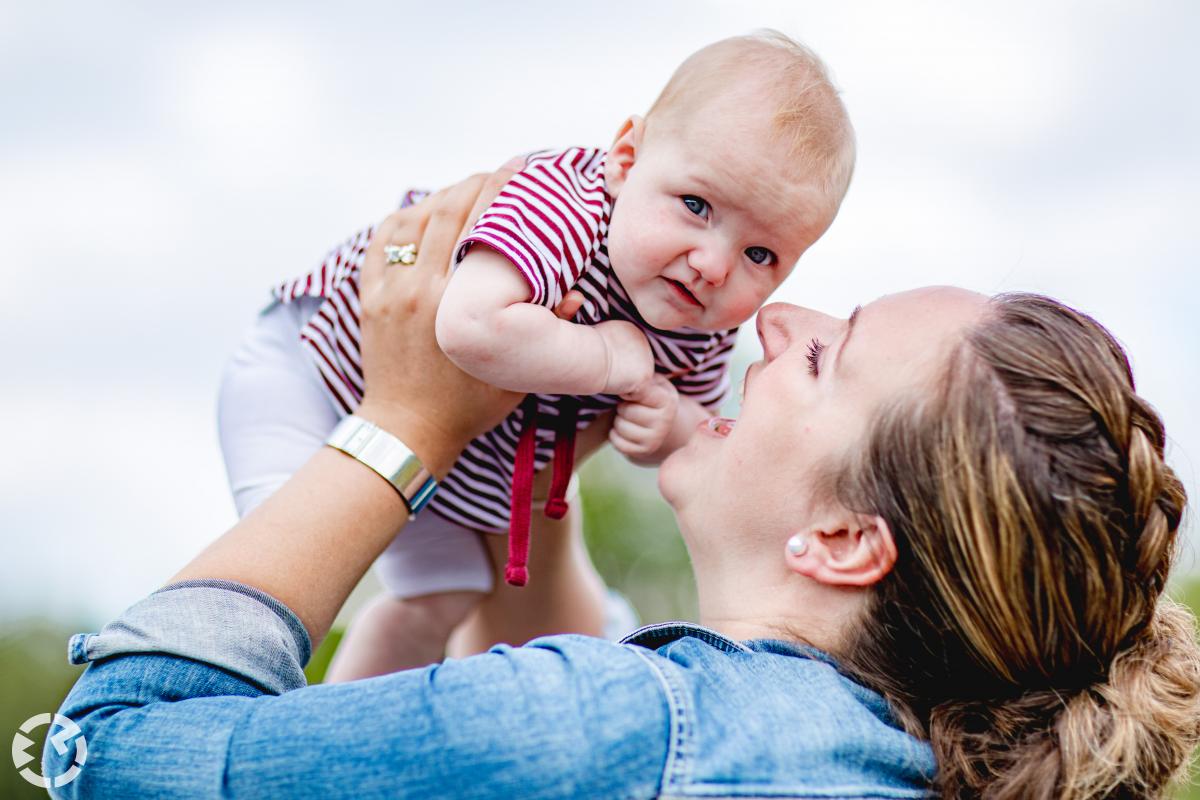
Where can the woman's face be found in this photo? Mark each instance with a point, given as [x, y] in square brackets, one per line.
[806, 404]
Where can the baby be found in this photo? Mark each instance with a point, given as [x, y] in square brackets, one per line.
[675, 236]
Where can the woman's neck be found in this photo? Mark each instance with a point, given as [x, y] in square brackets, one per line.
[773, 604]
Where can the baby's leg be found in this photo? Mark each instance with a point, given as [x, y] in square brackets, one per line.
[434, 572]
[273, 414]
[272, 411]
[390, 634]
[565, 594]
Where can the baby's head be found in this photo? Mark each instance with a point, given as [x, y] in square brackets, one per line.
[737, 169]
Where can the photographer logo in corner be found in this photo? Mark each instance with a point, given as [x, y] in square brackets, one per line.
[61, 741]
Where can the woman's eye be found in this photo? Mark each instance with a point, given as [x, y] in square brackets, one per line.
[761, 255]
[814, 357]
[696, 205]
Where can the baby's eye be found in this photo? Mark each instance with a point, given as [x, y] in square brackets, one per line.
[761, 255]
[696, 205]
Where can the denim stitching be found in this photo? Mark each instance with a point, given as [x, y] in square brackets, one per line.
[675, 768]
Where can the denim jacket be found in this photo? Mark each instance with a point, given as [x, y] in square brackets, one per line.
[198, 691]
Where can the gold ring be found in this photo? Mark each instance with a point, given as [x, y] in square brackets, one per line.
[405, 254]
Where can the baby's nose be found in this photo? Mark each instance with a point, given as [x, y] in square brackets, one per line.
[712, 264]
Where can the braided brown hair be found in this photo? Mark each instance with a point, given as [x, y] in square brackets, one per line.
[1023, 629]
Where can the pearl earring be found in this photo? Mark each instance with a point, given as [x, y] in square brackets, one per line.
[798, 544]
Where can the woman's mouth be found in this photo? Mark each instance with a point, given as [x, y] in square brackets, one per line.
[719, 427]
[684, 293]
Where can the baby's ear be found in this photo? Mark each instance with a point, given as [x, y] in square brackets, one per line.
[623, 153]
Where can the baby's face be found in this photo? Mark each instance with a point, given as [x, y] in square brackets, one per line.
[708, 222]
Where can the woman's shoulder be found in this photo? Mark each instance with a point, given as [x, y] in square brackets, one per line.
[717, 716]
[781, 714]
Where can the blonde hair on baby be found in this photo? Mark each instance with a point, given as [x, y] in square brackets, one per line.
[808, 113]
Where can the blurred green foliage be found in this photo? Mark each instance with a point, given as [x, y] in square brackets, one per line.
[314, 670]
[34, 678]
[633, 540]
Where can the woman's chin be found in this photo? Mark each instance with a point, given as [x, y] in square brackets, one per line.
[668, 476]
[672, 473]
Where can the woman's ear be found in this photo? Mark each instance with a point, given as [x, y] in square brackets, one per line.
[844, 550]
[623, 154]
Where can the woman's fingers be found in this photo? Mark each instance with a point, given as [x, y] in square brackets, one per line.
[405, 226]
[435, 225]
[569, 305]
[491, 187]
[448, 213]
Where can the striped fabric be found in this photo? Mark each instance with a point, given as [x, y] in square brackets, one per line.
[551, 221]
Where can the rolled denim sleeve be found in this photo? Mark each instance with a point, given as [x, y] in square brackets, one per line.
[197, 692]
[223, 623]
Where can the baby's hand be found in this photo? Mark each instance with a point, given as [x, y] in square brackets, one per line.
[630, 362]
[644, 420]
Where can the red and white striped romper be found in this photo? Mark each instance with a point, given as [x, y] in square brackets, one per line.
[551, 220]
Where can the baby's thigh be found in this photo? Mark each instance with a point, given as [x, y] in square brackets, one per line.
[273, 412]
[432, 555]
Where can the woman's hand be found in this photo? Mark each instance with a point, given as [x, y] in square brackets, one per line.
[412, 389]
[309, 544]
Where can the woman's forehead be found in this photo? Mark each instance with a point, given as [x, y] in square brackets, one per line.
[945, 304]
[904, 329]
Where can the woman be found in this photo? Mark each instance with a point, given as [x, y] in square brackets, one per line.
[937, 534]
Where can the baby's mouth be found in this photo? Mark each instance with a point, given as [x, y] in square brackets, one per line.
[684, 292]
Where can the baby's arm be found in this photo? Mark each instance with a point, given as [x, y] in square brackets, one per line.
[487, 326]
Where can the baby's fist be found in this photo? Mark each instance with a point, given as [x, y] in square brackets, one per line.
[643, 422]
[630, 364]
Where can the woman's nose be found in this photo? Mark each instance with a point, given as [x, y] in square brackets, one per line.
[782, 325]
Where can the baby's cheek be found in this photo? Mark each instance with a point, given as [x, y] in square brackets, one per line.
[626, 234]
[743, 305]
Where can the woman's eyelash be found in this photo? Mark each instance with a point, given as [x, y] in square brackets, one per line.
[814, 356]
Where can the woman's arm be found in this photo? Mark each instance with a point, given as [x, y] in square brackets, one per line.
[310, 543]
[569, 717]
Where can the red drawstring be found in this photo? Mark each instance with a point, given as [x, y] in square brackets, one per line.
[564, 458]
[516, 572]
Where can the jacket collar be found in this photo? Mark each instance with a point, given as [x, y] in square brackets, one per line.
[655, 636]
[659, 634]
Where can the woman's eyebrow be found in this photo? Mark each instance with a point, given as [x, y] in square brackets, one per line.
[846, 339]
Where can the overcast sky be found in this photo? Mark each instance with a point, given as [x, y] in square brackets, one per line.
[159, 169]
